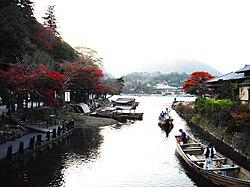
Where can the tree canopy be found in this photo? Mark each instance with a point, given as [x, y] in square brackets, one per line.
[36, 60]
[83, 79]
[196, 83]
[39, 81]
[21, 36]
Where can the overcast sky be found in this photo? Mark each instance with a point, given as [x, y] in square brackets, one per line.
[129, 32]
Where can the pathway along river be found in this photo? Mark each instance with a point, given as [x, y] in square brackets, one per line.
[138, 154]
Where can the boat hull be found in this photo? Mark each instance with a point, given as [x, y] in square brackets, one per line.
[132, 115]
[166, 123]
[120, 118]
[218, 179]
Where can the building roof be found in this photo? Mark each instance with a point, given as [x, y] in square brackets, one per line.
[165, 87]
[246, 68]
[124, 100]
[229, 76]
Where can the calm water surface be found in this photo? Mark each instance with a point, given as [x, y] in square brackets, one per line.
[137, 154]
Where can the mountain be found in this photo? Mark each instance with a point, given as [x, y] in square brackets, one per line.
[180, 66]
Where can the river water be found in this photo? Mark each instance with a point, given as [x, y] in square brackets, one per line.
[137, 154]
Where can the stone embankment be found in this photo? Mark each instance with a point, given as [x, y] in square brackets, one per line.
[10, 150]
[238, 141]
[9, 132]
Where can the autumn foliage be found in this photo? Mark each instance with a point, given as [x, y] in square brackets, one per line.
[83, 79]
[39, 81]
[26, 44]
[196, 83]
[44, 37]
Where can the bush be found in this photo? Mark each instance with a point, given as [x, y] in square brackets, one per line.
[217, 111]
[196, 118]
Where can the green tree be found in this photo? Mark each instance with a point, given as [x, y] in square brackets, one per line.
[14, 36]
[62, 51]
[26, 6]
[113, 86]
[226, 90]
[90, 56]
[50, 21]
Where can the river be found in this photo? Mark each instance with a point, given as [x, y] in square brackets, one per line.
[137, 154]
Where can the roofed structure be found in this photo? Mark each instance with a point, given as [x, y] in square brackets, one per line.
[241, 77]
[244, 70]
[165, 89]
[226, 77]
[125, 101]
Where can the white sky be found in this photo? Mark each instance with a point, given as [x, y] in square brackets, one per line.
[132, 32]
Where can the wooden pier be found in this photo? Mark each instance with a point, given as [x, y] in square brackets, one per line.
[38, 141]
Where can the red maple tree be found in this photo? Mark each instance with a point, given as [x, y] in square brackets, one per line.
[39, 81]
[196, 83]
[46, 83]
[83, 79]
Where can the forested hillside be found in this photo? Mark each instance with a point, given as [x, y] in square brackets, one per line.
[36, 62]
[24, 40]
[144, 82]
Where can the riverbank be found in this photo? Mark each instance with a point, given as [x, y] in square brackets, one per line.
[15, 148]
[83, 121]
[8, 131]
[237, 141]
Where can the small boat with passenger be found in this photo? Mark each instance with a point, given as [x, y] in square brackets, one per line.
[165, 121]
[224, 171]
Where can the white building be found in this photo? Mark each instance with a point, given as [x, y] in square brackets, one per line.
[165, 89]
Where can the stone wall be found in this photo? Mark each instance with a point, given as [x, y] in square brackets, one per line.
[238, 141]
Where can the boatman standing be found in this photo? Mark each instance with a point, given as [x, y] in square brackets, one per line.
[167, 113]
[183, 136]
[209, 153]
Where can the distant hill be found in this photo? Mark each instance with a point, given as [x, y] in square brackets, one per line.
[180, 66]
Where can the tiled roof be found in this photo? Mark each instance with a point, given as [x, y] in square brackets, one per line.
[246, 68]
[229, 76]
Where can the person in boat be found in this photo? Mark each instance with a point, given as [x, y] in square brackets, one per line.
[183, 136]
[209, 153]
[162, 115]
[167, 113]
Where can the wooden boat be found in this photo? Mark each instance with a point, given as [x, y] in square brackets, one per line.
[132, 115]
[128, 111]
[120, 118]
[166, 124]
[108, 112]
[125, 102]
[224, 172]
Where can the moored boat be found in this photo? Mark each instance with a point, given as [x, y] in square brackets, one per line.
[125, 102]
[121, 110]
[108, 112]
[224, 172]
[132, 115]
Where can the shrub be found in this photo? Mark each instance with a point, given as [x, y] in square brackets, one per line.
[217, 111]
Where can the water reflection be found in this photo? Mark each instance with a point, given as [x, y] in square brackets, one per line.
[135, 154]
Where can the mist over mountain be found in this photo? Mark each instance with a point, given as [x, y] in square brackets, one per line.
[180, 66]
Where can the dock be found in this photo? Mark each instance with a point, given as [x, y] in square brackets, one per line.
[39, 140]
